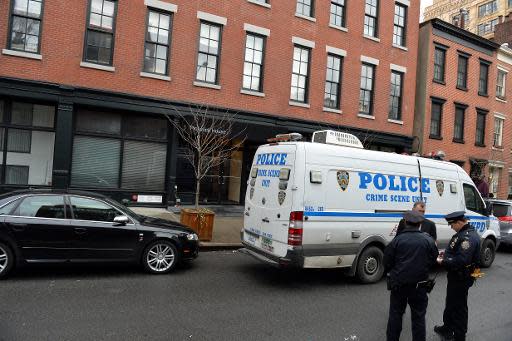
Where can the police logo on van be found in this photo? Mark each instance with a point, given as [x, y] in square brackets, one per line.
[281, 196]
[440, 187]
[343, 179]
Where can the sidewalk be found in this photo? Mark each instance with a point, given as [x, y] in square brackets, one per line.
[226, 228]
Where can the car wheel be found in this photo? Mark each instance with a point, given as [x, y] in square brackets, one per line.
[160, 257]
[370, 267]
[6, 260]
[487, 253]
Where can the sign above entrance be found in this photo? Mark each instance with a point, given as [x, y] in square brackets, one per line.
[154, 199]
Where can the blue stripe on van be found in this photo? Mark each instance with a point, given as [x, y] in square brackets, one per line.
[379, 215]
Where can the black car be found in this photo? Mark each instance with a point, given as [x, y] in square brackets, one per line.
[51, 226]
[502, 209]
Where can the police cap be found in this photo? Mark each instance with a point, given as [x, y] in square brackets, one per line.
[455, 216]
[413, 217]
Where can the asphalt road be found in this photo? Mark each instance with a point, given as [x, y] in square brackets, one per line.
[226, 295]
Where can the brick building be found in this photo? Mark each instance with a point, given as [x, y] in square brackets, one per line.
[459, 107]
[83, 94]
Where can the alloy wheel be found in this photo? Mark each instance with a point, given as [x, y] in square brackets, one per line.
[4, 259]
[160, 257]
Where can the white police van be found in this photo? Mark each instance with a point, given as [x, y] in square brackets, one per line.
[332, 204]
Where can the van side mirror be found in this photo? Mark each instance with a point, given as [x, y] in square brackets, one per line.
[488, 210]
[121, 220]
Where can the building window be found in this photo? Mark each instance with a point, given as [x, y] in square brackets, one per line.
[395, 97]
[399, 28]
[300, 74]
[253, 64]
[156, 48]
[462, 72]
[480, 128]
[487, 27]
[458, 126]
[487, 8]
[112, 150]
[371, 18]
[435, 119]
[501, 84]
[456, 19]
[498, 132]
[366, 89]
[209, 53]
[27, 141]
[338, 13]
[99, 37]
[332, 82]
[483, 79]
[25, 26]
[439, 64]
[494, 180]
[305, 7]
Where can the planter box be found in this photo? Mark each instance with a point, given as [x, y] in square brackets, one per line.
[201, 221]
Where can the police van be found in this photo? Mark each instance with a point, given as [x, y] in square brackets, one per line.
[330, 203]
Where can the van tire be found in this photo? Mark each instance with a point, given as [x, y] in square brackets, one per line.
[370, 266]
[487, 253]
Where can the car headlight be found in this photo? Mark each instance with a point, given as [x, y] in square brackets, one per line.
[192, 236]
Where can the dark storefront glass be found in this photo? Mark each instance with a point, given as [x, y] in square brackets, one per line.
[114, 150]
[29, 141]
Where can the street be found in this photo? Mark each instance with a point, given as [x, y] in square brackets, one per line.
[226, 295]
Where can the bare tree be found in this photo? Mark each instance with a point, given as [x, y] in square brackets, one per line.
[210, 137]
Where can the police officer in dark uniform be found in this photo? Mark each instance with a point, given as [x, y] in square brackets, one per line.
[408, 259]
[460, 260]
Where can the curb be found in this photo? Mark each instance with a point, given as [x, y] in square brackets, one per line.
[208, 246]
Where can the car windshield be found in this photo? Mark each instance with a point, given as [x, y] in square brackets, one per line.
[500, 210]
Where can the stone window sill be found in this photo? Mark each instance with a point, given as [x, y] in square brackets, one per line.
[369, 117]
[155, 76]
[207, 85]
[22, 54]
[299, 104]
[98, 66]
[252, 93]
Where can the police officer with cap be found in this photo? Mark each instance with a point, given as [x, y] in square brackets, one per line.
[460, 260]
[408, 259]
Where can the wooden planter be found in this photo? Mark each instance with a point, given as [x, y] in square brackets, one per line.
[201, 221]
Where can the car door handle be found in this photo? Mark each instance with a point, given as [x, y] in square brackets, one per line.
[18, 227]
[80, 230]
[265, 220]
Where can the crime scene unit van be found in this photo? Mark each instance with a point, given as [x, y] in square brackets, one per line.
[330, 203]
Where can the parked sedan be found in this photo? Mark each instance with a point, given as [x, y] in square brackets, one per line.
[50, 226]
[502, 209]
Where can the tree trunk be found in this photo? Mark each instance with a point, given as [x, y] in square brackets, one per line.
[198, 188]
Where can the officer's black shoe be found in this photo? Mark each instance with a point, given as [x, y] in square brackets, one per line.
[444, 331]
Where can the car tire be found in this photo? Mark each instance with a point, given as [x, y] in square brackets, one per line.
[6, 260]
[160, 257]
[487, 253]
[370, 266]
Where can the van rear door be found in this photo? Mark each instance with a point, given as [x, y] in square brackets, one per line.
[269, 198]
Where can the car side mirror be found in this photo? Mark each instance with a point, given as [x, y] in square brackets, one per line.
[121, 220]
[488, 210]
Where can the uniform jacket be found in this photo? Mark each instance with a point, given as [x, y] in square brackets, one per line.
[409, 256]
[427, 226]
[462, 253]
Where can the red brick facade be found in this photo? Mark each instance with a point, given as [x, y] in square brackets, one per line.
[454, 42]
[62, 45]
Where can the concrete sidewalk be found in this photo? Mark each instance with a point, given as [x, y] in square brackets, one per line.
[226, 228]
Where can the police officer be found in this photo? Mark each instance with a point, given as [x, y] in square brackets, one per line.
[460, 259]
[427, 226]
[408, 259]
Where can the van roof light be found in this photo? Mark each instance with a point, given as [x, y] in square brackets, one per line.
[286, 137]
[337, 138]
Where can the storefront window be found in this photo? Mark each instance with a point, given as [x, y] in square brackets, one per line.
[27, 130]
[114, 150]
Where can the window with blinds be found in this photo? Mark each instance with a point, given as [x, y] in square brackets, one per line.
[144, 166]
[95, 162]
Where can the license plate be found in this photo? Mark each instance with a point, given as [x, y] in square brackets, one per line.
[266, 241]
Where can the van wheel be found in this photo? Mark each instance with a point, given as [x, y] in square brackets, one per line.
[6, 260]
[370, 267]
[487, 253]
